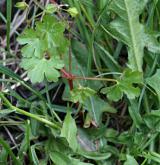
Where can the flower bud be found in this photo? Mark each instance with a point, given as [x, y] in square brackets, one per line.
[73, 11]
[21, 5]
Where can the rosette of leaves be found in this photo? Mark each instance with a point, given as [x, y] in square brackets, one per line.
[43, 49]
[125, 85]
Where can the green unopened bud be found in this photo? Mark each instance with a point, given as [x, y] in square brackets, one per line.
[21, 5]
[73, 11]
[51, 8]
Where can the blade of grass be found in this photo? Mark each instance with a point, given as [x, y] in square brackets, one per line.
[9, 10]
[111, 63]
[8, 149]
[49, 103]
[3, 17]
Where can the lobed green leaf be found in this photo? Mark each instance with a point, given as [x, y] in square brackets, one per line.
[125, 85]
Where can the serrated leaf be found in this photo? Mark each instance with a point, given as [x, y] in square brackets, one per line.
[81, 94]
[34, 45]
[47, 34]
[38, 69]
[51, 31]
[154, 82]
[43, 48]
[125, 86]
[127, 28]
[69, 131]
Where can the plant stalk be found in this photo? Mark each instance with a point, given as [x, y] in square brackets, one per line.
[45, 121]
[73, 77]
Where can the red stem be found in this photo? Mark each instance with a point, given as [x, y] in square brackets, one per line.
[52, 1]
[69, 77]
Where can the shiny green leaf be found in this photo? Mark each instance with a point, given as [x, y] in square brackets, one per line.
[69, 131]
